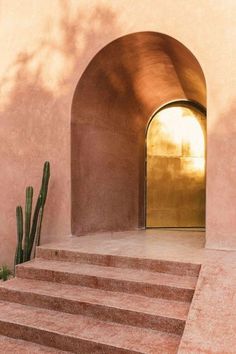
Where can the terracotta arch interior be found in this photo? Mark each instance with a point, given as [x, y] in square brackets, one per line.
[116, 96]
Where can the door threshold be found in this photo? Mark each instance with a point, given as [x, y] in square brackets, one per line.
[197, 229]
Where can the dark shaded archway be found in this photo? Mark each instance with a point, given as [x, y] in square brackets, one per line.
[114, 99]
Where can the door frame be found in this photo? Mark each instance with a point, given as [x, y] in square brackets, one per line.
[181, 103]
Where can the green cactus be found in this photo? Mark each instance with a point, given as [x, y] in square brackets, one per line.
[34, 223]
[39, 209]
[28, 211]
[32, 231]
[45, 180]
[19, 248]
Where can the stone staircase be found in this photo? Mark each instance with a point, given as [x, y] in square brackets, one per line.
[70, 301]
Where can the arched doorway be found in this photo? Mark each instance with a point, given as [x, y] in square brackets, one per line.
[114, 99]
[175, 166]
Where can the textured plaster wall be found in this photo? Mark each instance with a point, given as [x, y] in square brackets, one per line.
[45, 47]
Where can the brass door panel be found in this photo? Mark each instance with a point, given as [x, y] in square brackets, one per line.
[175, 168]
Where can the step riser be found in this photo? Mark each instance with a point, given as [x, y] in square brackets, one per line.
[100, 312]
[161, 266]
[19, 346]
[59, 341]
[150, 290]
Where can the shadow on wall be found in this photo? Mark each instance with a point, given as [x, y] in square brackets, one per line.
[37, 91]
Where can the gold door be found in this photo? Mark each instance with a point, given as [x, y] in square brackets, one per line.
[175, 168]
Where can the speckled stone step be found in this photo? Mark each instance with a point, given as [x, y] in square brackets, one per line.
[81, 334]
[152, 284]
[153, 265]
[17, 346]
[136, 310]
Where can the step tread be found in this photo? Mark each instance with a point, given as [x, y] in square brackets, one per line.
[19, 346]
[88, 329]
[131, 302]
[152, 264]
[139, 276]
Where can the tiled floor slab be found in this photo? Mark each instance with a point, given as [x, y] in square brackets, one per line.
[180, 246]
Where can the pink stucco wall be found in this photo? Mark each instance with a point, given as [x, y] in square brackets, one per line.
[45, 47]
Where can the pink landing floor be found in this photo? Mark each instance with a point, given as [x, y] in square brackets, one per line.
[211, 325]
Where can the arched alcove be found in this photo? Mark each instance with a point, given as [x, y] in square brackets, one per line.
[122, 86]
